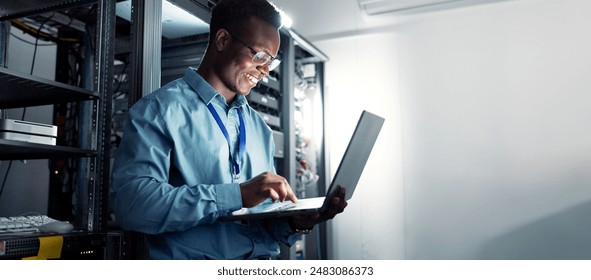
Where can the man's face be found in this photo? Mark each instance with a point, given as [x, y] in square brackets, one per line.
[238, 72]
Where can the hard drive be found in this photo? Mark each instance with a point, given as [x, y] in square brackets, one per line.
[31, 138]
[18, 126]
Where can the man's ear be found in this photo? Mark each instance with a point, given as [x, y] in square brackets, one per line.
[222, 39]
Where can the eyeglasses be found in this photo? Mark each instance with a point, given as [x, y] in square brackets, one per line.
[260, 58]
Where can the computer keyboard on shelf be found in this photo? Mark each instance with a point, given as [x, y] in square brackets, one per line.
[23, 224]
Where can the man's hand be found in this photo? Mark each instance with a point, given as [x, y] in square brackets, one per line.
[337, 206]
[266, 185]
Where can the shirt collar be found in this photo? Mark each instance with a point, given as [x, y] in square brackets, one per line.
[205, 91]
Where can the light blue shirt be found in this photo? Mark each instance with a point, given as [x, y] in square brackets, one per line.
[173, 175]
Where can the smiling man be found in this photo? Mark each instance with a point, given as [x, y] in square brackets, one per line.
[194, 150]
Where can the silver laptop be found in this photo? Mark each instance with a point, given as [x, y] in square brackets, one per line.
[347, 176]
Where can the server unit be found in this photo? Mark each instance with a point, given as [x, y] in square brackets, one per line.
[78, 246]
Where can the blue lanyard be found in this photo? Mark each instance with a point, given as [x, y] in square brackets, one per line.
[242, 138]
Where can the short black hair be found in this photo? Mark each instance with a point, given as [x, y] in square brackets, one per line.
[233, 14]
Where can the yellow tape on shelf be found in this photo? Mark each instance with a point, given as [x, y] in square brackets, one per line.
[50, 247]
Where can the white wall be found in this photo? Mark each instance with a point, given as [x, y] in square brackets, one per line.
[496, 140]
[361, 75]
[486, 148]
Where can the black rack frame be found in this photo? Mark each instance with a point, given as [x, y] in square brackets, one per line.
[22, 8]
[22, 90]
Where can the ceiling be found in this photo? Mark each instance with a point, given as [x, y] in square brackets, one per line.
[327, 19]
[176, 22]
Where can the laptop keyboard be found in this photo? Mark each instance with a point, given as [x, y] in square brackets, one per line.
[269, 206]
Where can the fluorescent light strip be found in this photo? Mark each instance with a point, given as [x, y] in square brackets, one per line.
[376, 7]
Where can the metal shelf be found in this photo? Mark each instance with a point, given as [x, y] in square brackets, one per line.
[17, 150]
[22, 8]
[22, 90]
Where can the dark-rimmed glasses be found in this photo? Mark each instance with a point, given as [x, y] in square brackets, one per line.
[260, 58]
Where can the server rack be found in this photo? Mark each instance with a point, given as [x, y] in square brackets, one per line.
[305, 157]
[92, 152]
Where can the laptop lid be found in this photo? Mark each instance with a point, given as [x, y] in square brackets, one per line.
[356, 155]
